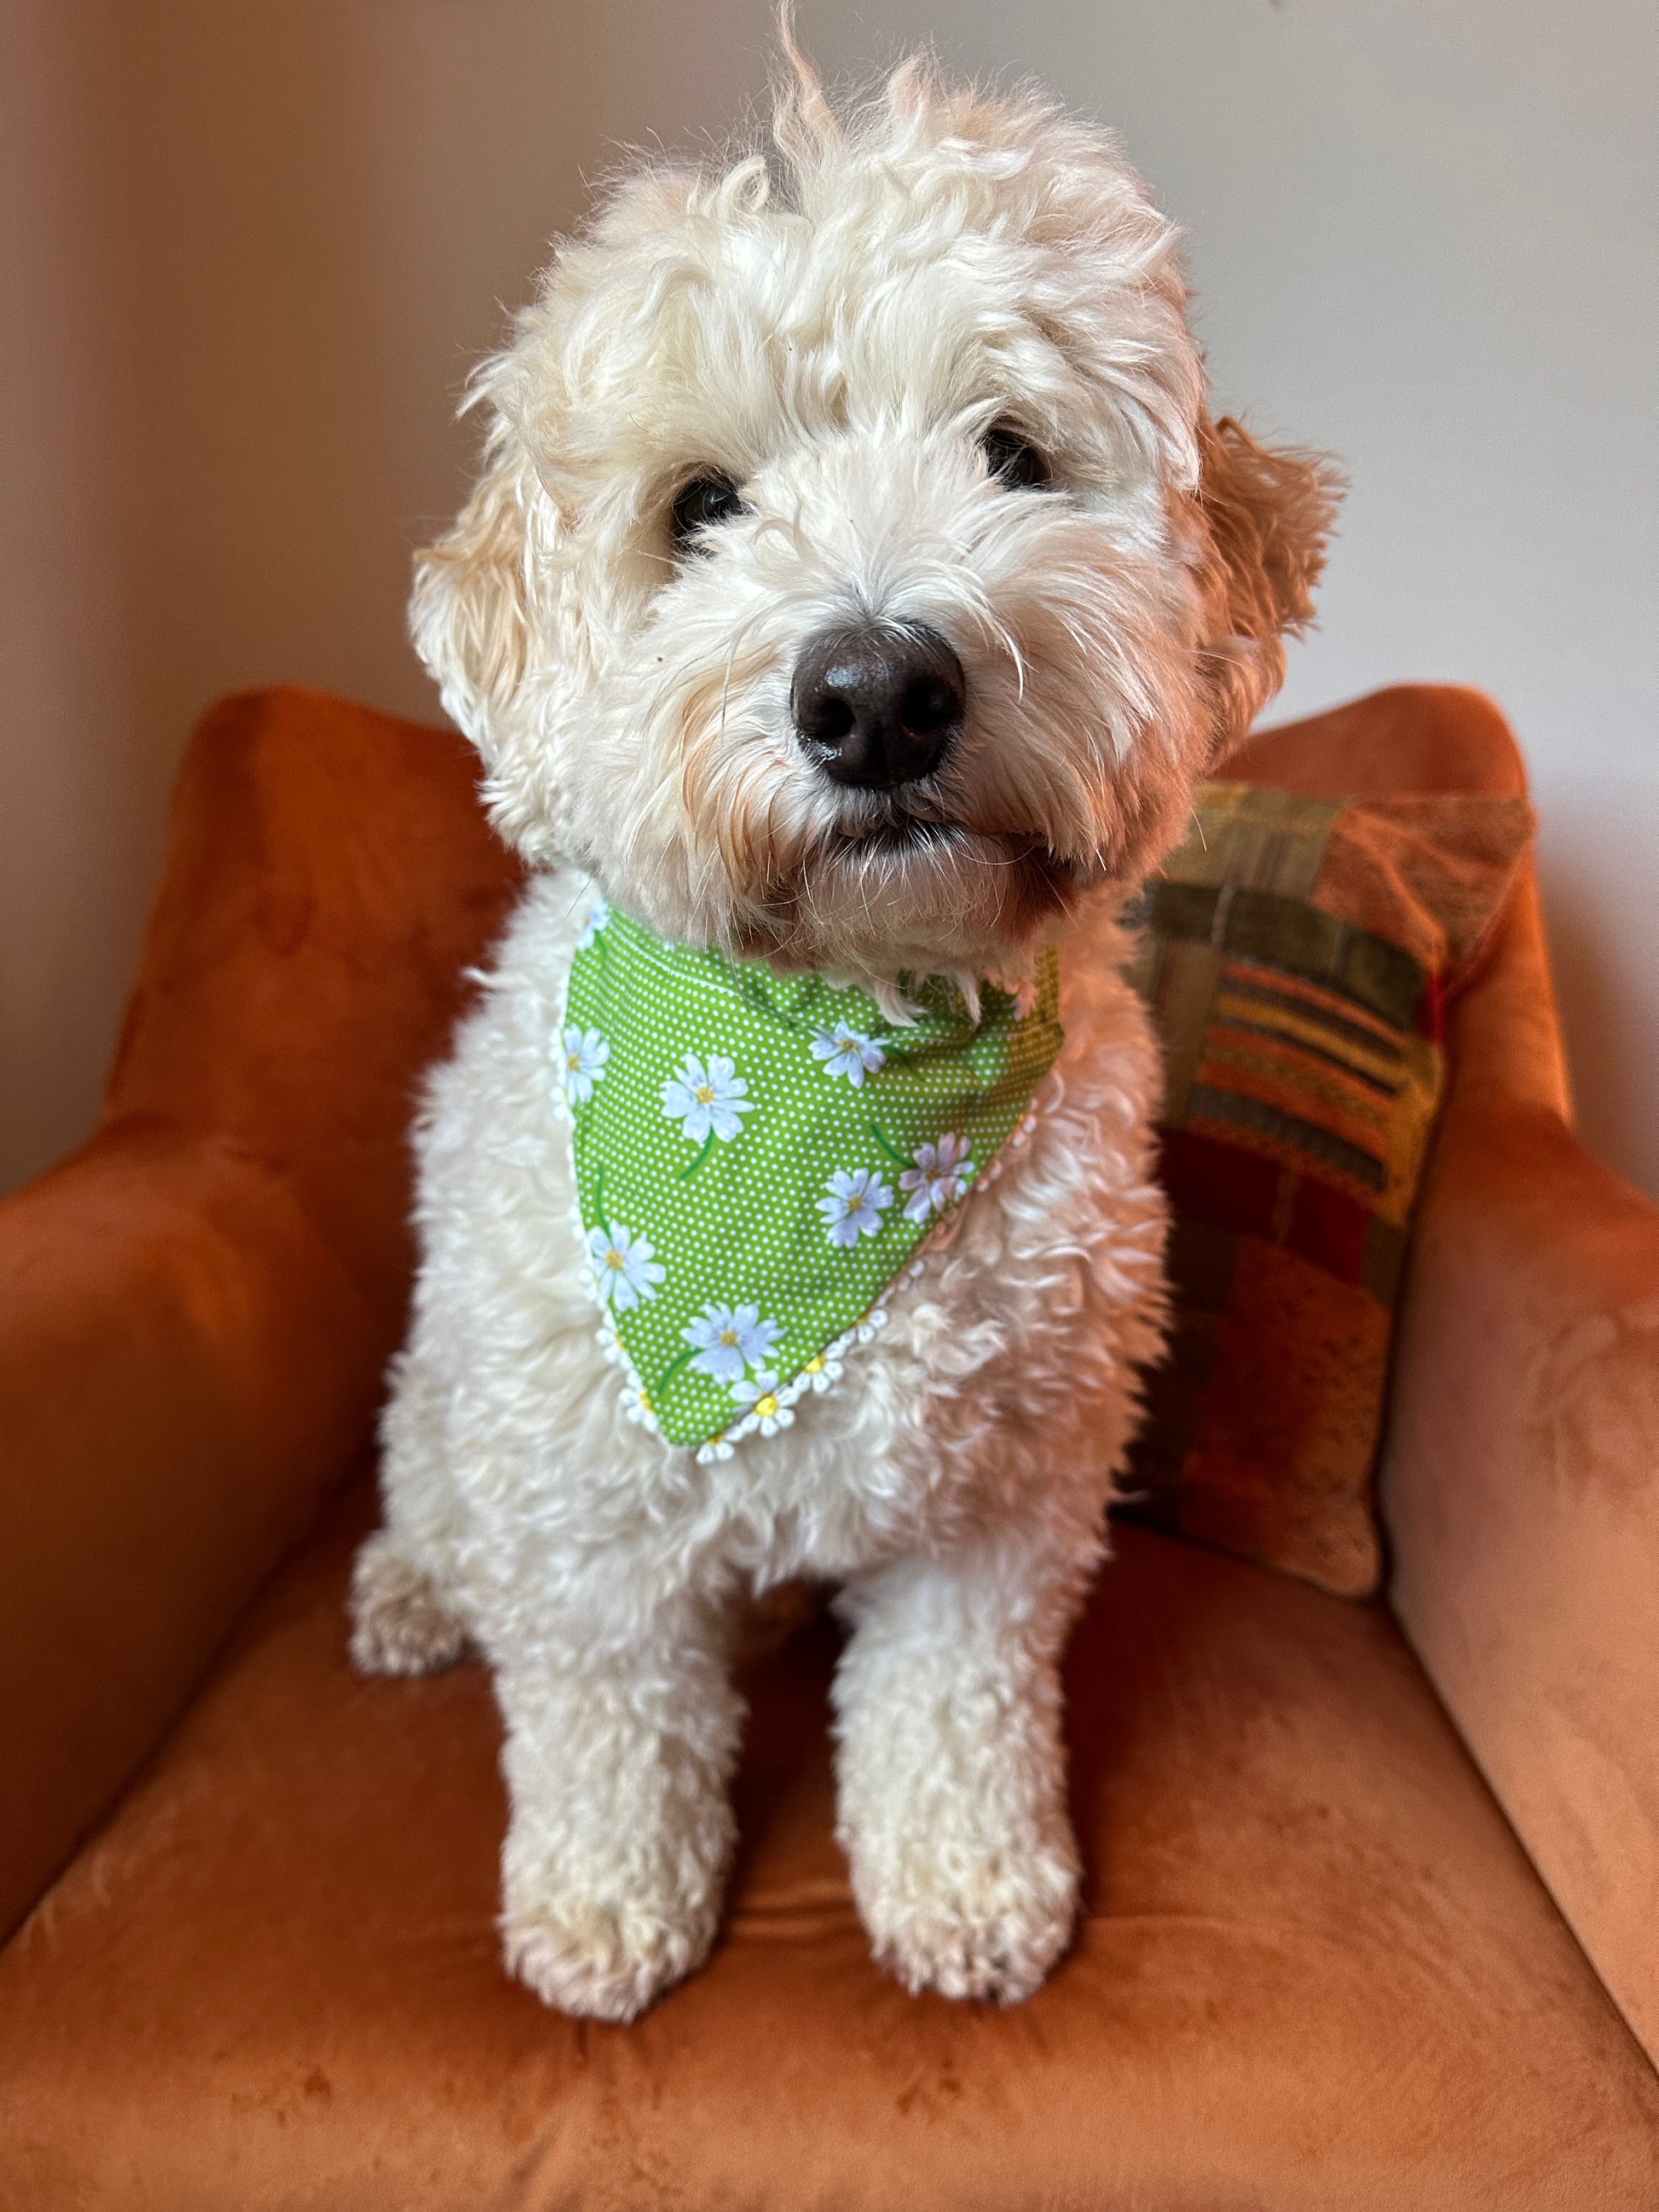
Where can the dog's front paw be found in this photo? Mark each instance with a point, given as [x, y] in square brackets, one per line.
[985, 1927]
[599, 1959]
[400, 1623]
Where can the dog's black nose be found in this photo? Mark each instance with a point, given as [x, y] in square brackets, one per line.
[878, 706]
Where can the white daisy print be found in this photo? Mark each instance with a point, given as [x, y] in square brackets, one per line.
[584, 1054]
[761, 1397]
[822, 1372]
[637, 1406]
[940, 1176]
[845, 1051]
[624, 1267]
[597, 914]
[708, 1096]
[730, 1339]
[854, 1201]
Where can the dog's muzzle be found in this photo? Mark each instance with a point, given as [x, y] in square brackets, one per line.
[878, 706]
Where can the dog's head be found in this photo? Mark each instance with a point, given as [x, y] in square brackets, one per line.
[855, 575]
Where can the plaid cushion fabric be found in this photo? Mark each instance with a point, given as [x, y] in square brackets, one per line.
[1297, 953]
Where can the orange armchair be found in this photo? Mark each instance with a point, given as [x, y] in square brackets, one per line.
[1371, 1891]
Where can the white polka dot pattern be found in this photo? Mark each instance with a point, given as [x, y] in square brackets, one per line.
[759, 1157]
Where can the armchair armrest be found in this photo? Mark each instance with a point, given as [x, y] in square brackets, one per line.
[185, 1371]
[196, 1310]
[1521, 1481]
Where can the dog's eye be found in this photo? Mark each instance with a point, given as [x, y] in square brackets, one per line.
[704, 502]
[1013, 459]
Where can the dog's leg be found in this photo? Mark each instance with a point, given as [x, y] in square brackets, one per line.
[618, 1759]
[953, 1770]
[399, 1623]
[402, 1623]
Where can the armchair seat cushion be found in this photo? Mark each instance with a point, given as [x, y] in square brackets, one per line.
[1316, 1967]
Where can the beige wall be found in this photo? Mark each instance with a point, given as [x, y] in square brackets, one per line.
[250, 251]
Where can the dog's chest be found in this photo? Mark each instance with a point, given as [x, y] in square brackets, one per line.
[995, 1337]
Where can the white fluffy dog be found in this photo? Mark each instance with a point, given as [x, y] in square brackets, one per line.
[856, 584]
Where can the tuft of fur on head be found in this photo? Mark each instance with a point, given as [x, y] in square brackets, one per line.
[833, 325]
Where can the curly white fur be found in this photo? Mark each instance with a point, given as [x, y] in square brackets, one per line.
[834, 329]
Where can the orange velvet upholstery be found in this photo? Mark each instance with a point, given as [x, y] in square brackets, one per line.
[1413, 737]
[184, 1372]
[329, 878]
[195, 1311]
[1316, 1967]
[1522, 1489]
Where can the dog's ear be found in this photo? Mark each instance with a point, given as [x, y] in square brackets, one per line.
[1268, 512]
[472, 614]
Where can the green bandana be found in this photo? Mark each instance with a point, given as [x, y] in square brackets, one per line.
[757, 1158]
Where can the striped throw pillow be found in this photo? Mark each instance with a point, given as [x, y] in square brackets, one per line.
[1297, 954]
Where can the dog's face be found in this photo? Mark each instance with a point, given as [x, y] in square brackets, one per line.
[855, 575]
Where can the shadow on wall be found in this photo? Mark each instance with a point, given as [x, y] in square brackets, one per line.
[285, 306]
[273, 240]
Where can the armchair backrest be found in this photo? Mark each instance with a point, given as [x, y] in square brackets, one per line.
[330, 879]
